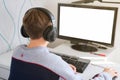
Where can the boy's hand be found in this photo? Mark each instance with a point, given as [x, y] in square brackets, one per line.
[111, 71]
[73, 67]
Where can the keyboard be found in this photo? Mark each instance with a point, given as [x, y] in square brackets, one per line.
[79, 63]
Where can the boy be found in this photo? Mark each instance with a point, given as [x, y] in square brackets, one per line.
[38, 25]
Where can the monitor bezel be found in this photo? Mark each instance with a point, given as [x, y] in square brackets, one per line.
[115, 9]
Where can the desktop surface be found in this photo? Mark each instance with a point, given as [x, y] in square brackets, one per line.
[65, 48]
[97, 64]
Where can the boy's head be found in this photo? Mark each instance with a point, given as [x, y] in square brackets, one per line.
[39, 22]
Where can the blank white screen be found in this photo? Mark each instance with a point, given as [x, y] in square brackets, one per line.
[86, 23]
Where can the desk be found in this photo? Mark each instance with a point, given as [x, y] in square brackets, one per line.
[5, 60]
[97, 62]
[66, 49]
[91, 70]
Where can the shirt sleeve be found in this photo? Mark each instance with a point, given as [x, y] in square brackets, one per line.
[65, 71]
[102, 76]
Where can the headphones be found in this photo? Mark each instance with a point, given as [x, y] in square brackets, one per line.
[50, 33]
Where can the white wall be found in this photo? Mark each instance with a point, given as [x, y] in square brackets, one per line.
[40, 3]
[52, 5]
[11, 14]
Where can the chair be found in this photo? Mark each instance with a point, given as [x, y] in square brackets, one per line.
[21, 70]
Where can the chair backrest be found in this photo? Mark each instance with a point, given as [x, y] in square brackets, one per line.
[21, 70]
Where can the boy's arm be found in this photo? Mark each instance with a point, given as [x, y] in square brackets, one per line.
[102, 76]
[107, 74]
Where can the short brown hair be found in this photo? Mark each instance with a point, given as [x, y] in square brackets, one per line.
[35, 22]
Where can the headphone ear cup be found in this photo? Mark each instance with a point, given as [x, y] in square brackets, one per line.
[50, 34]
[23, 32]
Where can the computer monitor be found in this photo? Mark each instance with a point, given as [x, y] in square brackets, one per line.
[86, 24]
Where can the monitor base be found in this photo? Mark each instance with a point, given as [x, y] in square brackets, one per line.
[84, 48]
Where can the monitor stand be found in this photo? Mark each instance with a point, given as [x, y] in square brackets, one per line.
[84, 48]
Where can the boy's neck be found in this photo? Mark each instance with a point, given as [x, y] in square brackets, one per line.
[37, 43]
